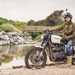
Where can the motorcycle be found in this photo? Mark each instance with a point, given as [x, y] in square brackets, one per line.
[52, 46]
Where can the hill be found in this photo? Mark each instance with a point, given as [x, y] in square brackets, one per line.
[53, 19]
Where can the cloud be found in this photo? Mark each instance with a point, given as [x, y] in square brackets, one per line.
[33, 9]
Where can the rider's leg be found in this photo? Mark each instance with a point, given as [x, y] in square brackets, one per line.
[69, 60]
[69, 57]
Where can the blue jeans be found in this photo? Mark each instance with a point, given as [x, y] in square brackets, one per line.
[69, 48]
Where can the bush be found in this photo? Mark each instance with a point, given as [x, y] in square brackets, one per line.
[35, 34]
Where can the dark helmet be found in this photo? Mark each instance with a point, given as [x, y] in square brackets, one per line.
[68, 15]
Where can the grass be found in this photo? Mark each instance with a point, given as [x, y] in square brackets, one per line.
[8, 27]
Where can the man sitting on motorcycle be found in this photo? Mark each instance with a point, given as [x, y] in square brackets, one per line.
[68, 34]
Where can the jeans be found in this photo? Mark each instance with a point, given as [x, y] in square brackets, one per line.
[69, 48]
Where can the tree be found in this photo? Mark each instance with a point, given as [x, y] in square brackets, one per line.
[31, 22]
[3, 20]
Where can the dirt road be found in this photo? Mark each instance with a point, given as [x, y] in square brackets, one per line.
[48, 70]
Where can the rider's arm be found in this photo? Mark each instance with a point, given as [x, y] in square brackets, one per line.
[69, 37]
[72, 35]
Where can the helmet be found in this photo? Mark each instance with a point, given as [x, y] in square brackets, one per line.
[68, 15]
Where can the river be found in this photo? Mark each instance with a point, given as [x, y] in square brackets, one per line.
[9, 53]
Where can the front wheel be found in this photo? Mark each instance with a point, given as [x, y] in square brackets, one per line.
[36, 58]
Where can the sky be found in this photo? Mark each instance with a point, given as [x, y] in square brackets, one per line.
[25, 10]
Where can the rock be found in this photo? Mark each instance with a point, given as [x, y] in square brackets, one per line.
[17, 67]
[2, 32]
[14, 38]
[3, 42]
[4, 39]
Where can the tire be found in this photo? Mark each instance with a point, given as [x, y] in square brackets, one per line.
[31, 54]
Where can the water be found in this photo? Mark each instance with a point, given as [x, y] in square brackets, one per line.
[17, 49]
[11, 49]
[13, 55]
[10, 52]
